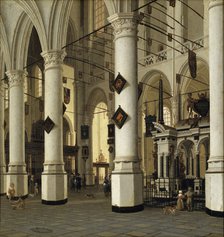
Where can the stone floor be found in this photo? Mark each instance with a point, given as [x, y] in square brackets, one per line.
[88, 216]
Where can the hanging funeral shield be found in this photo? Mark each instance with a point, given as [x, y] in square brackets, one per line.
[84, 132]
[111, 131]
[119, 117]
[64, 79]
[201, 106]
[172, 3]
[111, 81]
[169, 37]
[110, 149]
[48, 124]
[66, 95]
[85, 151]
[119, 83]
[192, 62]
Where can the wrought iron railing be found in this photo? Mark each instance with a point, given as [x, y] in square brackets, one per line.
[163, 192]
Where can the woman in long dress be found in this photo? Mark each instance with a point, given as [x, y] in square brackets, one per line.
[180, 202]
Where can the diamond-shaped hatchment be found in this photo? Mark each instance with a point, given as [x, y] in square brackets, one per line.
[119, 83]
[119, 117]
[48, 124]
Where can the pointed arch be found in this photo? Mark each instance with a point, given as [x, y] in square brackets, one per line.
[71, 130]
[95, 97]
[20, 46]
[4, 45]
[31, 9]
[110, 5]
[152, 78]
[202, 73]
[58, 25]
[187, 85]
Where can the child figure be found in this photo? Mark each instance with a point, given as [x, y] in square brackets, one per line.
[36, 189]
[11, 191]
[180, 203]
[189, 194]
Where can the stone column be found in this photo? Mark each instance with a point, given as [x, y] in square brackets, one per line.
[197, 157]
[127, 177]
[175, 109]
[166, 166]
[2, 143]
[90, 178]
[79, 121]
[54, 177]
[215, 174]
[160, 165]
[17, 166]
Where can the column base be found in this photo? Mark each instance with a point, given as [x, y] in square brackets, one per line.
[59, 202]
[21, 184]
[90, 179]
[214, 193]
[54, 189]
[127, 192]
[17, 197]
[127, 209]
[214, 213]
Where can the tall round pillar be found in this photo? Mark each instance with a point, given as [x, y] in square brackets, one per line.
[175, 110]
[90, 178]
[79, 121]
[2, 143]
[215, 174]
[17, 166]
[54, 177]
[127, 177]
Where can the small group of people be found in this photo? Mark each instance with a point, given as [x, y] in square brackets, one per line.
[76, 182]
[189, 195]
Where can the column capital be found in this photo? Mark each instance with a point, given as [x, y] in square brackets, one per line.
[53, 57]
[214, 3]
[125, 24]
[16, 77]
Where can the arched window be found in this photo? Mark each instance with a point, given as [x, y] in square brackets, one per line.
[38, 82]
[100, 151]
[167, 116]
[25, 89]
[99, 12]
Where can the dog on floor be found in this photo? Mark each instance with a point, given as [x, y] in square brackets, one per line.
[90, 195]
[169, 210]
[18, 204]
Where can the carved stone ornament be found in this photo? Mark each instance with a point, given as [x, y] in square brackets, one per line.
[125, 24]
[53, 57]
[16, 77]
[2, 88]
[214, 3]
